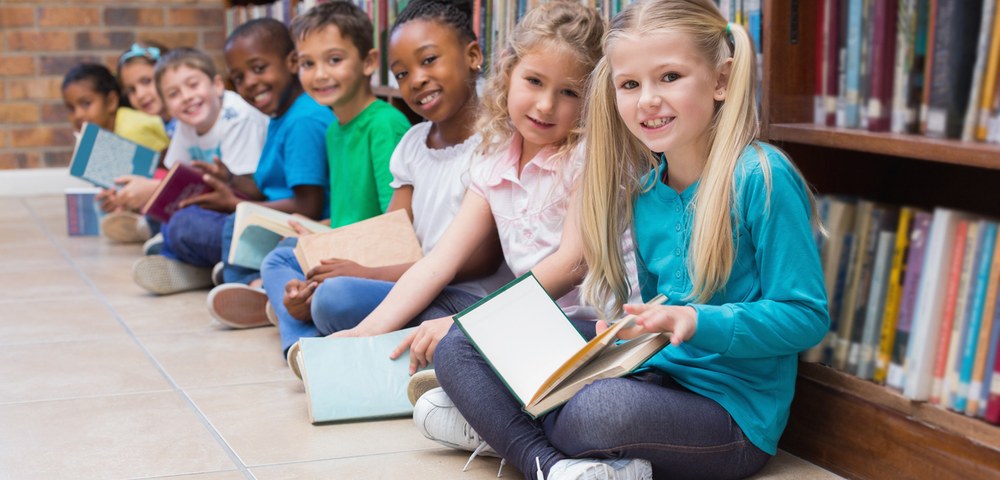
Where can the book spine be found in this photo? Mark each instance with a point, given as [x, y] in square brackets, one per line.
[876, 304]
[821, 63]
[991, 358]
[893, 294]
[883, 62]
[970, 341]
[842, 47]
[985, 329]
[955, 37]
[949, 379]
[915, 262]
[863, 287]
[925, 91]
[978, 72]
[992, 414]
[948, 317]
[906, 26]
[989, 79]
[854, 41]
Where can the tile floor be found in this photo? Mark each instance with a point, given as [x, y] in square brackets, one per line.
[99, 379]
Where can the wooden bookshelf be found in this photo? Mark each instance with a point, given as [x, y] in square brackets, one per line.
[851, 426]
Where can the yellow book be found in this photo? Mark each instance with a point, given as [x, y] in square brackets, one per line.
[989, 79]
[893, 295]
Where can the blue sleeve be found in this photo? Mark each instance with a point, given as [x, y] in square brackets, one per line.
[304, 153]
[790, 314]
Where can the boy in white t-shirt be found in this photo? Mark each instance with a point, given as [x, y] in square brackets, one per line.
[226, 135]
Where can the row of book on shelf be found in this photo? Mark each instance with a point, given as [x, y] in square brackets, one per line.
[926, 67]
[913, 298]
[492, 20]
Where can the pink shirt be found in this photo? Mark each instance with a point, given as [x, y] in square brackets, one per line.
[529, 209]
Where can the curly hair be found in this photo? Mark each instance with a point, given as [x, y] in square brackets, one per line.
[456, 14]
[564, 25]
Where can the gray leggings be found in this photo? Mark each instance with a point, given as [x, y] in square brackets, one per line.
[649, 416]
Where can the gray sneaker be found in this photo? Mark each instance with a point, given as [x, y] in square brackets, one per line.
[163, 276]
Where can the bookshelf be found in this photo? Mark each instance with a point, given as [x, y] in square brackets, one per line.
[851, 426]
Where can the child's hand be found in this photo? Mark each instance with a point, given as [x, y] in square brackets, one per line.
[299, 228]
[336, 267]
[135, 191]
[216, 169]
[298, 299]
[422, 342]
[681, 322]
[108, 200]
[221, 199]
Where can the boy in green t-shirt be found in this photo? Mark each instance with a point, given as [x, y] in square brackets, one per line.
[336, 60]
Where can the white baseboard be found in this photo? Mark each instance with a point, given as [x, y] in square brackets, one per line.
[37, 181]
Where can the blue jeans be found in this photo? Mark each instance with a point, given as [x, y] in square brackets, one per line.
[648, 416]
[234, 273]
[339, 303]
[194, 236]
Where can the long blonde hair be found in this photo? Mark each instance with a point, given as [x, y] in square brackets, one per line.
[617, 161]
[560, 24]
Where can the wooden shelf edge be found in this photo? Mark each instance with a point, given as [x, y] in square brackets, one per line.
[982, 155]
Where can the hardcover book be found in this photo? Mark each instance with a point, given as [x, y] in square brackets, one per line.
[101, 156]
[182, 182]
[258, 229]
[545, 368]
[83, 214]
[386, 239]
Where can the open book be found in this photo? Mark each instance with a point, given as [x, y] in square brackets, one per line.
[101, 156]
[258, 229]
[386, 239]
[352, 378]
[547, 366]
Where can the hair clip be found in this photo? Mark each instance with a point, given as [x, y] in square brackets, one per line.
[151, 53]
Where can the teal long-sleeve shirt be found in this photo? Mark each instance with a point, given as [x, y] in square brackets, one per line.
[743, 354]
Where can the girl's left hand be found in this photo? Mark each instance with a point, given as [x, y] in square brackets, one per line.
[680, 321]
[422, 342]
[222, 199]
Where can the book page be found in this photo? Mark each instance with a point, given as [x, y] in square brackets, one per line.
[523, 334]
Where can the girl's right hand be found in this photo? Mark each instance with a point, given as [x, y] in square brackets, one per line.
[680, 321]
[298, 299]
[336, 267]
[135, 191]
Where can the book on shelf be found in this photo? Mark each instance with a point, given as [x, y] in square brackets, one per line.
[990, 373]
[992, 413]
[982, 334]
[547, 367]
[387, 239]
[862, 248]
[83, 213]
[965, 363]
[978, 72]
[925, 90]
[828, 47]
[956, 31]
[893, 293]
[970, 278]
[882, 218]
[101, 156]
[838, 220]
[927, 312]
[258, 229]
[904, 320]
[959, 275]
[864, 365]
[911, 50]
[182, 181]
[882, 56]
[353, 378]
[855, 41]
[989, 79]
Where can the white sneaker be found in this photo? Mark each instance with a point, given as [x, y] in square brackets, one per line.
[592, 469]
[439, 420]
[153, 245]
[238, 306]
[163, 276]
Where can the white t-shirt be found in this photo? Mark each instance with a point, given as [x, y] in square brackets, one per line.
[237, 138]
[439, 178]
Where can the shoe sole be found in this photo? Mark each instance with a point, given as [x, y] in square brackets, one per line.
[123, 228]
[238, 306]
[420, 383]
[293, 360]
[272, 316]
[164, 276]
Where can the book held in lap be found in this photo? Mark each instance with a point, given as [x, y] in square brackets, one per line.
[387, 239]
[101, 156]
[535, 350]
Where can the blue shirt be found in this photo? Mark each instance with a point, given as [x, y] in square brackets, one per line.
[743, 354]
[295, 150]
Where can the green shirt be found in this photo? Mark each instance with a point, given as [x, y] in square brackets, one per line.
[359, 153]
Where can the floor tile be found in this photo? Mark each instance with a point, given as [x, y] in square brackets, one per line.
[268, 423]
[56, 280]
[430, 464]
[220, 357]
[126, 436]
[149, 314]
[229, 475]
[76, 369]
[56, 320]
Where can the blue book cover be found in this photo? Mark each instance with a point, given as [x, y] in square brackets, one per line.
[991, 359]
[852, 102]
[83, 214]
[352, 378]
[101, 156]
[975, 317]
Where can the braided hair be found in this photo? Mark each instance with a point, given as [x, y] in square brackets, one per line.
[456, 14]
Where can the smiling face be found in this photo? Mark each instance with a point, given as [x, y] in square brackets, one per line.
[192, 97]
[434, 68]
[85, 104]
[666, 94]
[136, 77]
[544, 98]
[333, 71]
[260, 74]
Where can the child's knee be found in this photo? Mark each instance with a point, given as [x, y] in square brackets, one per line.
[334, 307]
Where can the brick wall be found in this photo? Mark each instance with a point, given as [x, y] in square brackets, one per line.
[41, 39]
